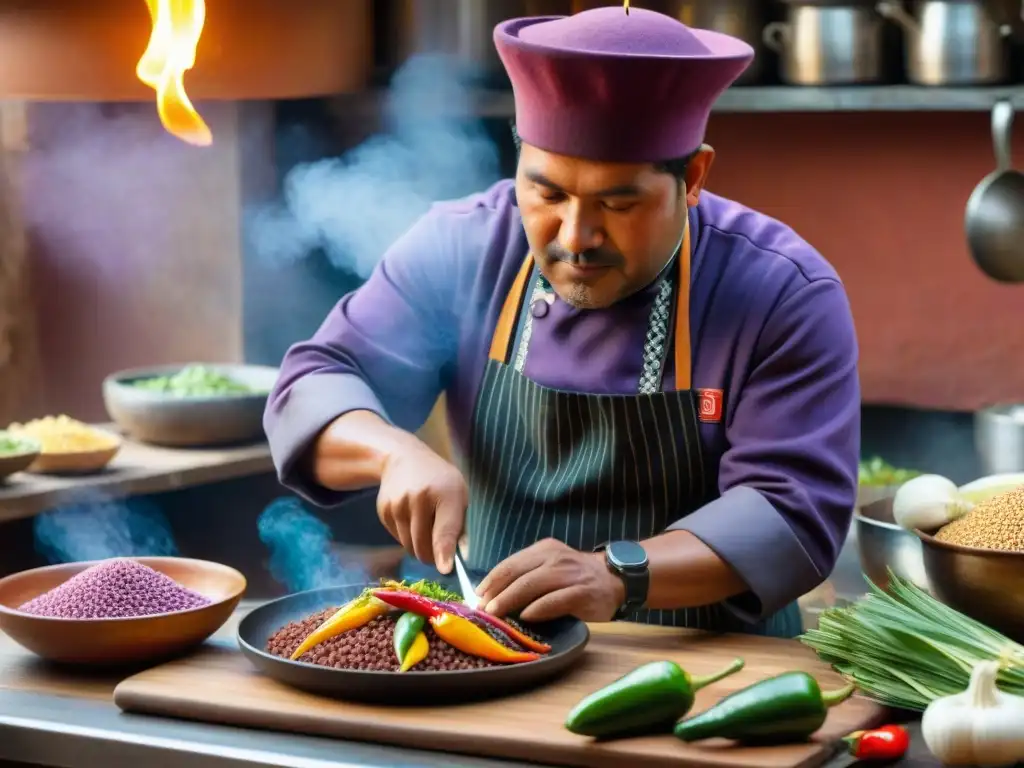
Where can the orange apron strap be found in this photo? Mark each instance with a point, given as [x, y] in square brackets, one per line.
[682, 329]
[506, 327]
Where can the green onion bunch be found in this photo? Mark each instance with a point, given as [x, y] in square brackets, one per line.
[903, 648]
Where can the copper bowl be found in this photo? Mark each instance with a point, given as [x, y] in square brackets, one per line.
[984, 584]
[83, 462]
[116, 642]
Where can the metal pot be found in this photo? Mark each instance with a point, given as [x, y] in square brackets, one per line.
[999, 439]
[743, 19]
[884, 545]
[952, 42]
[463, 29]
[828, 44]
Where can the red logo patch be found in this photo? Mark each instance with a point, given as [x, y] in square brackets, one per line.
[709, 405]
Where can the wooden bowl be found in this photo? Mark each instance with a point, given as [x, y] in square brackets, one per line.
[77, 462]
[189, 422]
[16, 462]
[119, 642]
[984, 584]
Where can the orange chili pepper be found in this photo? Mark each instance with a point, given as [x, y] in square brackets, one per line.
[352, 615]
[469, 638]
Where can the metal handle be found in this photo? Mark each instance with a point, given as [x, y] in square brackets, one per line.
[776, 36]
[1002, 123]
[894, 11]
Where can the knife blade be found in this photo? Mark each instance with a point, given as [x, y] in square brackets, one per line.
[469, 595]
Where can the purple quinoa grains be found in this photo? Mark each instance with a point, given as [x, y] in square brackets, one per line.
[115, 589]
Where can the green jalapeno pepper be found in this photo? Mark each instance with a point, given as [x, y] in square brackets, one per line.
[647, 700]
[783, 709]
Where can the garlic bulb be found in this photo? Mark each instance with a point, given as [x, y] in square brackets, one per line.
[928, 502]
[982, 726]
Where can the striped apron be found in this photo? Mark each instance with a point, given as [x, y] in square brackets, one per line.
[587, 469]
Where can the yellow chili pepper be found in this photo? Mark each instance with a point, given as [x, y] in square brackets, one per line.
[469, 638]
[352, 615]
[417, 652]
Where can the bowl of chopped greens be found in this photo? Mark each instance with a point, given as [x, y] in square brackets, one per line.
[17, 452]
[879, 480]
[193, 405]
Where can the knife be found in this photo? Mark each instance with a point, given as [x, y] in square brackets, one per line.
[469, 595]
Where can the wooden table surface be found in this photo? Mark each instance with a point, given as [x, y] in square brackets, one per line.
[20, 672]
[138, 468]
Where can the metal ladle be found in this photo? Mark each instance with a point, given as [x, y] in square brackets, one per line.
[994, 220]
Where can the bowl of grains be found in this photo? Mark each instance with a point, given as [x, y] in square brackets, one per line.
[396, 643]
[67, 446]
[119, 611]
[975, 564]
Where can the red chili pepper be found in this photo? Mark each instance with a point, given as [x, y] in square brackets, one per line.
[889, 742]
[425, 606]
[410, 601]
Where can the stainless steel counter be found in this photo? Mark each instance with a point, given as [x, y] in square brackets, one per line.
[76, 733]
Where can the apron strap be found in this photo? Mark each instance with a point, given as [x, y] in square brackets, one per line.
[504, 331]
[682, 329]
[501, 340]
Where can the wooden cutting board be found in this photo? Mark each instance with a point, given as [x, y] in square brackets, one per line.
[219, 685]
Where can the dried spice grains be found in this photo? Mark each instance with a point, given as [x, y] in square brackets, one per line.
[368, 648]
[119, 588]
[995, 523]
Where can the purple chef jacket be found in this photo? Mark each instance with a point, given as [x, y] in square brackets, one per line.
[771, 328]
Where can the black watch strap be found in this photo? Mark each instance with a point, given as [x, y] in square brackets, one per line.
[628, 561]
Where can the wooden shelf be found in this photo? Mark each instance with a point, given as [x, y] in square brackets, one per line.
[137, 469]
[778, 98]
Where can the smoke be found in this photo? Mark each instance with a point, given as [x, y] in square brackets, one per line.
[355, 206]
[301, 553]
[98, 529]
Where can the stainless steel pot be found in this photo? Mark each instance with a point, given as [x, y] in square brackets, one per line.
[737, 18]
[883, 545]
[952, 42]
[463, 29]
[744, 19]
[828, 44]
[999, 439]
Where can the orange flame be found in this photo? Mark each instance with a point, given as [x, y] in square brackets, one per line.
[177, 27]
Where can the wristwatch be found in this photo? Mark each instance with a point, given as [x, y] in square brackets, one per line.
[628, 561]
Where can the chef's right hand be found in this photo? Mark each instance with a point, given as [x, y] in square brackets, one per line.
[422, 501]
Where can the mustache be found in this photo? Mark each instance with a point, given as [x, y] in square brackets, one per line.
[593, 257]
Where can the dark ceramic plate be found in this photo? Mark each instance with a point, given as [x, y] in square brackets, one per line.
[567, 637]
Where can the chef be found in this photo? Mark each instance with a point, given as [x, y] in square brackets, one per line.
[652, 391]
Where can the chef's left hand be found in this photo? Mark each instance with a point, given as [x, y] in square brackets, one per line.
[550, 579]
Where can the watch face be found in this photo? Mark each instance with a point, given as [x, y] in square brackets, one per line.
[627, 555]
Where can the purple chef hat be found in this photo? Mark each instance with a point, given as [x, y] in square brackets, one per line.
[608, 86]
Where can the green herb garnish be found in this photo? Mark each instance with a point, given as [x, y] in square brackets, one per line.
[430, 589]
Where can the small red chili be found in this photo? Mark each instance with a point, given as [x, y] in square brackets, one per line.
[890, 742]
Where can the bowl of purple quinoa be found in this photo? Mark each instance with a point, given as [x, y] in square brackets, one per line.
[121, 611]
